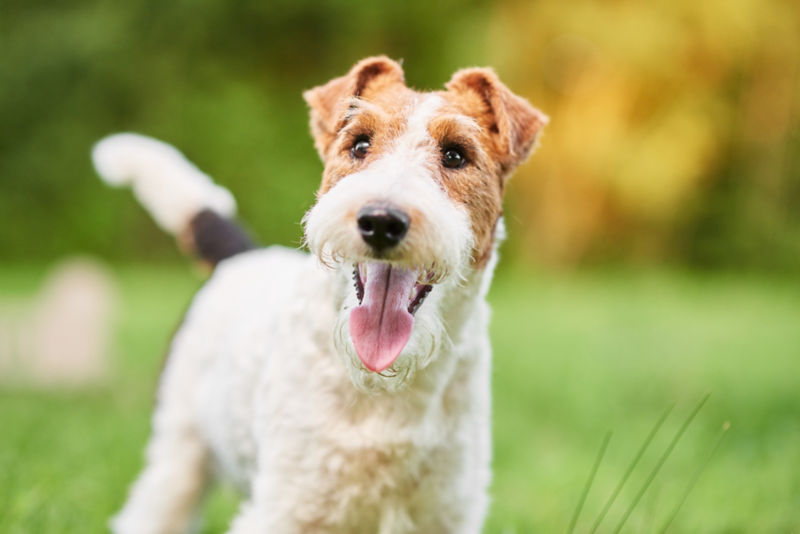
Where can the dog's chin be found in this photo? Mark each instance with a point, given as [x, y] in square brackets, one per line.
[419, 352]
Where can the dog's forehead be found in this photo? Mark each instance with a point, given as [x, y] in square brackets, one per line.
[397, 105]
[417, 109]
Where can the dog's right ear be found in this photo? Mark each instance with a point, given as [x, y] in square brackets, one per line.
[329, 102]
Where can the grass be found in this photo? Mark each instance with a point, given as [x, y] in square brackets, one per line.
[576, 356]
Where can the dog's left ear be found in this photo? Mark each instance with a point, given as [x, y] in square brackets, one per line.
[329, 102]
[513, 124]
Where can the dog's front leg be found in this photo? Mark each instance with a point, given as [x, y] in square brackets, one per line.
[164, 498]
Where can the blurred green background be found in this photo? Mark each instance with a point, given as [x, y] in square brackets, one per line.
[674, 137]
[653, 251]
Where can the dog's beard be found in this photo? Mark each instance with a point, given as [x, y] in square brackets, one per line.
[425, 343]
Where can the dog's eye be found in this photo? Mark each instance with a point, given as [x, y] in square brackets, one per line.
[360, 147]
[453, 158]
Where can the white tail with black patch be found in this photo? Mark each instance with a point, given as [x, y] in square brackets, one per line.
[183, 200]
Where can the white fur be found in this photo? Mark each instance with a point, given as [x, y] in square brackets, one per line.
[168, 185]
[262, 380]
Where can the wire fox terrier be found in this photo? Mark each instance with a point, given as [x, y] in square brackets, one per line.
[346, 391]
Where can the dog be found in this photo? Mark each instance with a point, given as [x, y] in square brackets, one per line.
[346, 390]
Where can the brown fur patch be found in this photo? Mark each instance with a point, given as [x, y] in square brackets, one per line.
[474, 186]
[510, 127]
[328, 102]
[382, 119]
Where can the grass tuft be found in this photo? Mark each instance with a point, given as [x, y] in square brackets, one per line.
[614, 494]
[582, 500]
[660, 462]
[695, 477]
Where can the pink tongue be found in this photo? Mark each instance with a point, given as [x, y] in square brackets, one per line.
[381, 325]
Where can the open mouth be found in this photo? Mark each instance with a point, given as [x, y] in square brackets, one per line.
[417, 295]
[381, 324]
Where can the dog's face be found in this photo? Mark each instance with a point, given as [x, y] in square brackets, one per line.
[409, 204]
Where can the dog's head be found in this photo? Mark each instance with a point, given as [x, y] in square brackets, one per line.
[409, 204]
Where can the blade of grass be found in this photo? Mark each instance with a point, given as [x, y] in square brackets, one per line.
[660, 462]
[639, 454]
[582, 500]
[695, 477]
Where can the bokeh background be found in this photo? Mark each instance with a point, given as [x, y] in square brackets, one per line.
[653, 251]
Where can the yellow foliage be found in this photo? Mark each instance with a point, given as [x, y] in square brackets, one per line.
[647, 101]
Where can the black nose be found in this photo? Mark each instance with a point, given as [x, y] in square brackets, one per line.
[382, 227]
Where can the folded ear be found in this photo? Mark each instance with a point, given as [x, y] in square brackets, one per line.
[511, 121]
[329, 102]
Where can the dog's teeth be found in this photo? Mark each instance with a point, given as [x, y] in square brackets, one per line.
[419, 298]
[358, 283]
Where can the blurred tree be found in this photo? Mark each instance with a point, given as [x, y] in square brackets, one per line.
[674, 134]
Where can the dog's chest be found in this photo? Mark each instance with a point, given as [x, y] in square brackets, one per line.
[278, 410]
[345, 466]
[352, 477]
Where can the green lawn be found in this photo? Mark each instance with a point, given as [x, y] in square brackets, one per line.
[576, 356]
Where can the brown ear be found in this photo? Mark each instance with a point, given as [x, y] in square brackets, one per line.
[329, 102]
[511, 121]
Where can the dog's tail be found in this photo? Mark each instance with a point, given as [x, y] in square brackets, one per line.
[183, 200]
